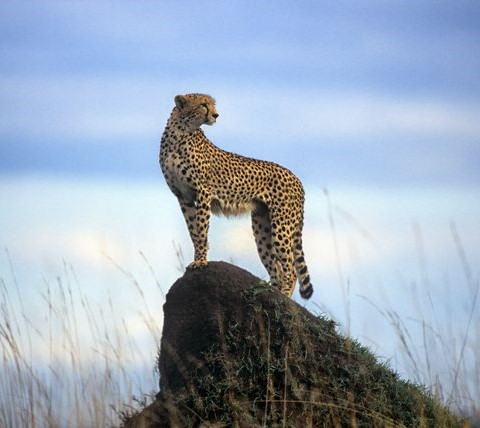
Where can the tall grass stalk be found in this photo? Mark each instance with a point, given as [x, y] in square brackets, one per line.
[75, 365]
[437, 349]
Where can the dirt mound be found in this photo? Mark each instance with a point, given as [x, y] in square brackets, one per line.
[236, 352]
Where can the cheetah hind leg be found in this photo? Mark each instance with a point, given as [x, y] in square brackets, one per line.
[263, 239]
[280, 267]
[281, 240]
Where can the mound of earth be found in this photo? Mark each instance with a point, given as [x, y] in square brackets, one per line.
[235, 352]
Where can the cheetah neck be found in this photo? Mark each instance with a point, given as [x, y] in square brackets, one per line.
[175, 126]
[177, 133]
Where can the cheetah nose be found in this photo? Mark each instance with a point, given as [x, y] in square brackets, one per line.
[215, 115]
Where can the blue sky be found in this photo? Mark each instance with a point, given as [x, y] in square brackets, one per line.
[365, 91]
[377, 101]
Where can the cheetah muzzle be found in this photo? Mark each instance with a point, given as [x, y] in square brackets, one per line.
[206, 179]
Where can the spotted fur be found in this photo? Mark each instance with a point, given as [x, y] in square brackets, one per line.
[206, 180]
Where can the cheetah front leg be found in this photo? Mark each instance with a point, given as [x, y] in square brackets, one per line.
[197, 217]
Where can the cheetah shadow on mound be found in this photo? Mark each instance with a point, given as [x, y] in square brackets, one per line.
[237, 352]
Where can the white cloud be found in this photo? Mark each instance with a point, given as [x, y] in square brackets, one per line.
[81, 107]
[233, 237]
[309, 115]
[96, 106]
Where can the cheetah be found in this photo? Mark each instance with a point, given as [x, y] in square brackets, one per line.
[207, 179]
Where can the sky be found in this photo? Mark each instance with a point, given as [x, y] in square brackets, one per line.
[375, 105]
[367, 91]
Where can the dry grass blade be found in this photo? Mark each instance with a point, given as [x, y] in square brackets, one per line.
[73, 365]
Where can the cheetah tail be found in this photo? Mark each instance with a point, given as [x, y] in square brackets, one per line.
[306, 287]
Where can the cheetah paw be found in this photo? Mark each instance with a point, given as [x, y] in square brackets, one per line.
[197, 264]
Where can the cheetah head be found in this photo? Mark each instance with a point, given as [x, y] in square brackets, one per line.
[195, 110]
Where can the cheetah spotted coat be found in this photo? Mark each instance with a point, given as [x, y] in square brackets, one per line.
[206, 180]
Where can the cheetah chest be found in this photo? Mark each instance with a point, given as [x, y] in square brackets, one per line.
[178, 175]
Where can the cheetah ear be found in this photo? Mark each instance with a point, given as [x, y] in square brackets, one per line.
[180, 101]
